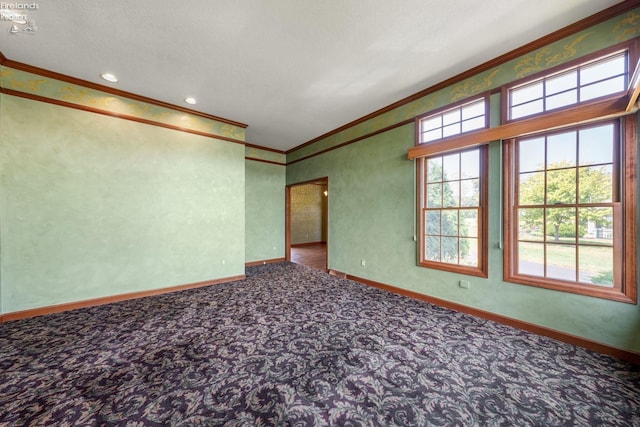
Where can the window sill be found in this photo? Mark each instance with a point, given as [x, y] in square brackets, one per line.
[614, 294]
[455, 268]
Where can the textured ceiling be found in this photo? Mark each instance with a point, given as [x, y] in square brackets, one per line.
[290, 69]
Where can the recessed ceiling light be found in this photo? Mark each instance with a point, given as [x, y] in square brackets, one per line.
[109, 77]
[190, 100]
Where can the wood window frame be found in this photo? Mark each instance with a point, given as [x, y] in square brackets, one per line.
[605, 107]
[451, 107]
[631, 47]
[599, 110]
[623, 106]
[481, 270]
[618, 105]
[625, 243]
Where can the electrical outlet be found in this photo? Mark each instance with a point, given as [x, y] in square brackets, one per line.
[224, 262]
[363, 263]
[464, 284]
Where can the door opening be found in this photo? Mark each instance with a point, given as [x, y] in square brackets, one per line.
[307, 223]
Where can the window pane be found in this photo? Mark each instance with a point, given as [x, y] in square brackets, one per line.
[606, 87]
[561, 186]
[450, 250]
[603, 69]
[562, 82]
[432, 219]
[473, 110]
[432, 249]
[454, 121]
[531, 154]
[561, 262]
[561, 150]
[434, 169]
[432, 135]
[469, 252]
[469, 222]
[472, 124]
[562, 99]
[596, 184]
[432, 123]
[596, 265]
[451, 117]
[451, 130]
[526, 93]
[582, 83]
[531, 259]
[470, 164]
[450, 223]
[531, 224]
[531, 189]
[451, 196]
[434, 195]
[596, 226]
[527, 109]
[596, 145]
[470, 192]
[451, 167]
[561, 225]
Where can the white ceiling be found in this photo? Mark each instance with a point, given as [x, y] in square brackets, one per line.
[290, 69]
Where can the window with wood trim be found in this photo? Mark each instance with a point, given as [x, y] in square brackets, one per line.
[597, 78]
[570, 179]
[459, 119]
[570, 198]
[453, 211]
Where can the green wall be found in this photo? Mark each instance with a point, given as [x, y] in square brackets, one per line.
[265, 215]
[93, 205]
[372, 218]
[373, 215]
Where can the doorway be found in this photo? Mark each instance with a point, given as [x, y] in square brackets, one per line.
[307, 223]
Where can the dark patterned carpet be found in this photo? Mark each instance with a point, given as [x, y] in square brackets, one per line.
[294, 346]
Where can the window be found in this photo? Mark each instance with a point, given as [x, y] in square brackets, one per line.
[453, 222]
[571, 188]
[565, 210]
[587, 81]
[453, 121]
[453, 191]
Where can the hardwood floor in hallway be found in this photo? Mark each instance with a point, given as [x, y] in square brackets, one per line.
[310, 255]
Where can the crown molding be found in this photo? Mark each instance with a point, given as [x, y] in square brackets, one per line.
[95, 86]
[569, 30]
[354, 140]
[66, 104]
[271, 162]
[260, 147]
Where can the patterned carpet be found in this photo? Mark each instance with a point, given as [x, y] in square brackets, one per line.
[294, 346]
